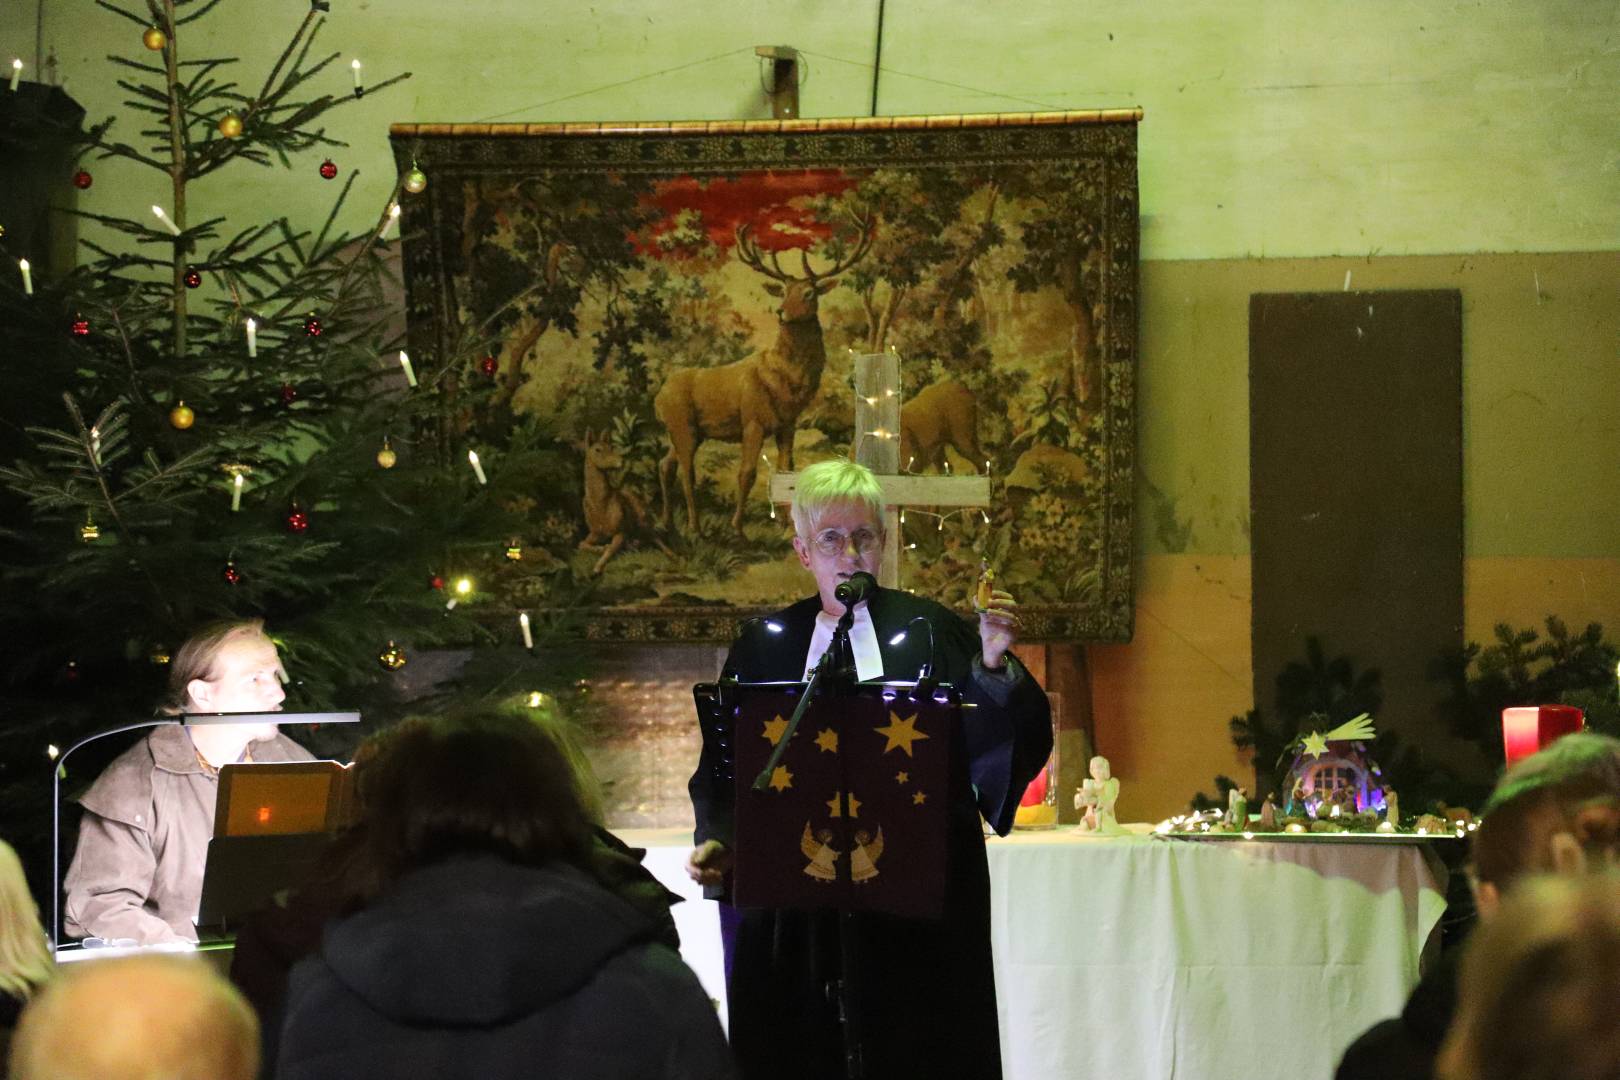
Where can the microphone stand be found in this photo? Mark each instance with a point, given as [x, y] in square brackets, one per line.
[58, 768]
[834, 673]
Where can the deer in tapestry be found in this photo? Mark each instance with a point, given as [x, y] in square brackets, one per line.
[760, 396]
[613, 514]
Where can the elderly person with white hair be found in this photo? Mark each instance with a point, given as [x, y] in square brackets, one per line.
[926, 987]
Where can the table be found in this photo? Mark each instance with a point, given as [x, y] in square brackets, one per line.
[1139, 958]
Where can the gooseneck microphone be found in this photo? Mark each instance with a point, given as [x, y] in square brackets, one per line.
[860, 586]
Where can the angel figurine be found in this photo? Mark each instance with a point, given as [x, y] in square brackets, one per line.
[1096, 799]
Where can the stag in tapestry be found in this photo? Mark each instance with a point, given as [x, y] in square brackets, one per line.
[670, 339]
[748, 400]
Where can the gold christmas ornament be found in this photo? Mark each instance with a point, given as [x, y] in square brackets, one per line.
[154, 39]
[415, 180]
[392, 658]
[159, 656]
[514, 550]
[89, 530]
[386, 456]
[181, 417]
[230, 125]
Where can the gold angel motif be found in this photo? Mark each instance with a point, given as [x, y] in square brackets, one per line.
[822, 855]
[863, 860]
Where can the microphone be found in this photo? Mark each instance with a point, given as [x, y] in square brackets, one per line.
[860, 586]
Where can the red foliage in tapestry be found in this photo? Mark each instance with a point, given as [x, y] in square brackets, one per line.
[777, 205]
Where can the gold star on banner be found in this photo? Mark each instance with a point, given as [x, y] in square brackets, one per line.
[774, 730]
[828, 740]
[901, 733]
[854, 806]
[1316, 744]
[919, 798]
[781, 779]
[902, 777]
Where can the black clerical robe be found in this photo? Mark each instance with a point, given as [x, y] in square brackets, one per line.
[926, 987]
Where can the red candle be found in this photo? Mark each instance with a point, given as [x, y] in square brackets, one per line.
[1528, 728]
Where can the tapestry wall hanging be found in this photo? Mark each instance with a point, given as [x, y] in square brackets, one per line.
[637, 325]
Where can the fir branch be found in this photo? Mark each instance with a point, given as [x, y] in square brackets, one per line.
[131, 16]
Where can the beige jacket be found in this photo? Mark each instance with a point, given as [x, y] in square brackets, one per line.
[143, 841]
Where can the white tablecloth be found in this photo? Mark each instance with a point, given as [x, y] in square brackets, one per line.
[1148, 959]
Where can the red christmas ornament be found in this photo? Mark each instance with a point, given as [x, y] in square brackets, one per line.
[312, 326]
[192, 277]
[297, 520]
[436, 581]
[289, 393]
[82, 179]
[328, 169]
[81, 326]
[233, 576]
[488, 366]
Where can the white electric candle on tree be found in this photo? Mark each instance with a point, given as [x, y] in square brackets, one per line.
[16, 73]
[478, 469]
[523, 622]
[405, 363]
[28, 277]
[161, 216]
[252, 338]
[236, 493]
[359, 88]
[393, 216]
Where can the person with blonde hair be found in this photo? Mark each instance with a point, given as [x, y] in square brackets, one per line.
[25, 957]
[926, 988]
[151, 1017]
[143, 841]
[1538, 986]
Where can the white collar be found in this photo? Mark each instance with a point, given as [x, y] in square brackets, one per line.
[863, 641]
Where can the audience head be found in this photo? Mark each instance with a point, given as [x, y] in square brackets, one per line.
[487, 782]
[1557, 811]
[25, 958]
[1538, 987]
[152, 1017]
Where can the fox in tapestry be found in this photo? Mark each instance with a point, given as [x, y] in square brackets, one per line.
[692, 332]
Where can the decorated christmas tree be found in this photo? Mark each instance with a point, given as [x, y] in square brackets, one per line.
[211, 418]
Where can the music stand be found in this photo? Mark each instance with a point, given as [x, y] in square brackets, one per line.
[272, 821]
[847, 813]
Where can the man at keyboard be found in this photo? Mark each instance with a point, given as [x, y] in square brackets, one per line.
[137, 872]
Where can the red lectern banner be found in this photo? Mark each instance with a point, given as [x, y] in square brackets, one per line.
[854, 812]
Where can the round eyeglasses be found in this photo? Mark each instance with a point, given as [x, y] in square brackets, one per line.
[835, 542]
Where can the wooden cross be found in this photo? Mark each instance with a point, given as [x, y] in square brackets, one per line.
[877, 446]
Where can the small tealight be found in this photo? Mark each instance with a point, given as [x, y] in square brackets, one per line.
[1296, 827]
[1385, 827]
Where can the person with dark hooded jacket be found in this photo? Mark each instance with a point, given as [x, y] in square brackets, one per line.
[477, 941]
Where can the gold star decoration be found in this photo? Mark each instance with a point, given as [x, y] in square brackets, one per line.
[854, 806]
[1316, 744]
[919, 798]
[827, 739]
[902, 777]
[781, 779]
[774, 729]
[901, 733]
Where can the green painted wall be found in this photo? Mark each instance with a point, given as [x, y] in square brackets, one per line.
[1541, 395]
[1274, 127]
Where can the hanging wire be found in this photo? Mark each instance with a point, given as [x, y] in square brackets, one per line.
[614, 85]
